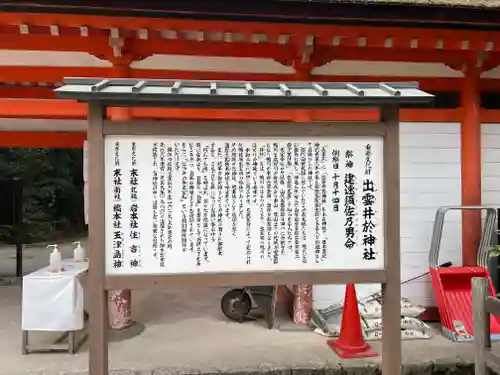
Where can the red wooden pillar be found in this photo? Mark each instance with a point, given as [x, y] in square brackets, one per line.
[120, 301]
[470, 135]
[121, 69]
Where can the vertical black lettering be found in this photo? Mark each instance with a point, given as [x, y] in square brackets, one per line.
[134, 209]
[118, 234]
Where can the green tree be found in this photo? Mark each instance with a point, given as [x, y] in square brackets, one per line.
[52, 189]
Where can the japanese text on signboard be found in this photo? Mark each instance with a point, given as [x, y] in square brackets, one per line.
[187, 205]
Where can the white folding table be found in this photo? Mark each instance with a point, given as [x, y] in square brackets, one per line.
[54, 302]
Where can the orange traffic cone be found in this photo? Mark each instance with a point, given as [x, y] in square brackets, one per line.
[351, 343]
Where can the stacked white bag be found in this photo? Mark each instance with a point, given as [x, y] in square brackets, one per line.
[411, 326]
[370, 310]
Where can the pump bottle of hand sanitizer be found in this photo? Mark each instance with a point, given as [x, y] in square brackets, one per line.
[55, 260]
[79, 252]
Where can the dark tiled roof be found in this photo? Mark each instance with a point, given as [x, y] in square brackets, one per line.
[454, 3]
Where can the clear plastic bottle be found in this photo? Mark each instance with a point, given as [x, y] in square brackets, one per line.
[78, 252]
[55, 260]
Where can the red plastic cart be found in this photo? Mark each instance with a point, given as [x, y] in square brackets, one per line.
[452, 285]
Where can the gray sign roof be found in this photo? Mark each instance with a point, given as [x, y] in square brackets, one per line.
[230, 94]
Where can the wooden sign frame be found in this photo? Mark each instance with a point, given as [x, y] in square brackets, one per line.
[389, 276]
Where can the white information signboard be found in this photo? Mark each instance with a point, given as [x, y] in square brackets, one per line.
[190, 205]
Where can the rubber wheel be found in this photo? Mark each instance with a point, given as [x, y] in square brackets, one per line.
[235, 304]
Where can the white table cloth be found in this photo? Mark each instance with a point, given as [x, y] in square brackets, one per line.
[54, 301]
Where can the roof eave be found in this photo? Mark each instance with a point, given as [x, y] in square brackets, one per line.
[272, 11]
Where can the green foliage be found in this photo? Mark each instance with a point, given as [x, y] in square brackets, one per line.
[52, 190]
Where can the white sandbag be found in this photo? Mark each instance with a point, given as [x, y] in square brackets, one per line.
[410, 309]
[373, 308]
[334, 323]
[375, 324]
[370, 309]
[406, 334]
[407, 322]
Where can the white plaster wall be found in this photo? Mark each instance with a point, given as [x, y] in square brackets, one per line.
[490, 157]
[430, 178]
[36, 58]
[490, 145]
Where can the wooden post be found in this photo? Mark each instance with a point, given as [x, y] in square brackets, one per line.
[98, 311]
[470, 135]
[480, 288]
[391, 289]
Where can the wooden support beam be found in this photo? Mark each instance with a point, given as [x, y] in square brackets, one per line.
[96, 45]
[35, 130]
[99, 45]
[68, 109]
[20, 92]
[490, 116]
[471, 164]
[348, 35]
[54, 74]
[41, 140]
[41, 126]
[49, 109]
[431, 55]
[50, 74]
[481, 315]
[98, 309]
[492, 304]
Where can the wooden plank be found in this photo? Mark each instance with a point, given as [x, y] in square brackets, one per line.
[479, 292]
[492, 361]
[98, 312]
[492, 304]
[391, 289]
[186, 281]
[263, 129]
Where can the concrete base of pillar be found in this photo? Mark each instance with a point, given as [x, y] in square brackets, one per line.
[132, 330]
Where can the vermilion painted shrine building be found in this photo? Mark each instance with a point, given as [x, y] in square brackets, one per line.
[450, 154]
